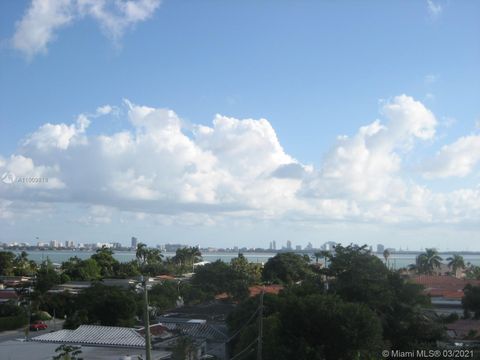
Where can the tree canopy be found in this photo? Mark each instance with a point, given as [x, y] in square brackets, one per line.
[286, 268]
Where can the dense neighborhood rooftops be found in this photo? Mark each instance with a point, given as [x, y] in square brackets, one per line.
[463, 328]
[216, 311]
[95, 335]
[6, 295]
[257, 290]
[448, 287]
[195, 330]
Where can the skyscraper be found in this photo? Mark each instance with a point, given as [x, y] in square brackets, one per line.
[134, 242]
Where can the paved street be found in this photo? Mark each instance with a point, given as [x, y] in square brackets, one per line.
[20, 333]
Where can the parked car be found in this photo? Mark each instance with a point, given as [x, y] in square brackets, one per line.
[38, 325]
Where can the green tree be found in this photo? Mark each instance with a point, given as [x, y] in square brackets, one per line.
[386, 255]
[321, 254]
[471, 301]
[58, 304]
[47, 277]
[472, 272]
[286, 268]
[186, 257]
[428, 261]
[128, 269]
[184, 349]
[252, 271]
[67, 352]
[358, 276]
[106, 261]
[23, 266]
[6, 263]
[107, 305]
[81, 270]
[149, 260]
[219, 277]
[456, 262]
[163, 296]
[314, 327]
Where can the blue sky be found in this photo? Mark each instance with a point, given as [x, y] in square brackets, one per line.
[314, 69]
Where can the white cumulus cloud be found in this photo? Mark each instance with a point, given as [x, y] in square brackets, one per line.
[163, 171]
[44, 18]
[457, 159]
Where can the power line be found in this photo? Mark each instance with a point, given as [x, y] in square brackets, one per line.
[237, 332]
[244, 325]
[244, 350]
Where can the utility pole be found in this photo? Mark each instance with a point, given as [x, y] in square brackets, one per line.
[260, 326]
[148, 354]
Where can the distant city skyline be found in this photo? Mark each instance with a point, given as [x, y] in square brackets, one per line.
[241, 123]
[170, 246]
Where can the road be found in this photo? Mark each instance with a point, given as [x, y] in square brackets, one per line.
[20, 333]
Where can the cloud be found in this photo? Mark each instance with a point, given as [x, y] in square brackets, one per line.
[366, 167]
[42, 20]
[115, 17]
[458, 159]
[104, 110]
[434, 9]
[164, 171]
[430, 79]
[97, 215]
[37, 27]
[59, 136]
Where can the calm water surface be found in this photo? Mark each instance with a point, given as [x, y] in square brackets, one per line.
[396, 261]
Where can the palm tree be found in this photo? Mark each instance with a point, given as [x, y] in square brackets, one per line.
[23, 266]
[386, 255]
[456, 262]
[141, 253]
[429, 260]
[194, 254]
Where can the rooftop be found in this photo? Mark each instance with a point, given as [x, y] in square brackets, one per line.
[195, 330]
[95, 335]
[448, 287]
[463, 328]
[21, 350]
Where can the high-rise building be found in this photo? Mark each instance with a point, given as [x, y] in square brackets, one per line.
[134, 242]
[380, 248]
[289, 245]
[309, 246]
[274, 245]
[298, 247]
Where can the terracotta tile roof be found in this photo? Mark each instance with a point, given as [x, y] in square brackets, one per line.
[8, 294]
[256, 290]
[269, 289]
[463, 327]
[443, 286]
